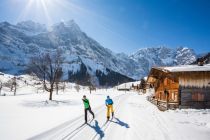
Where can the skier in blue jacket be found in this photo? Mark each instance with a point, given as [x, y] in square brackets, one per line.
[109, 103]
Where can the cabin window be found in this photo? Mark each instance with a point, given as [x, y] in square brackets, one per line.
[173, 96]
[198, 97]
[159, 95]
[163, 97]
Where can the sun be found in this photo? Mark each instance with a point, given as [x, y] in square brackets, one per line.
[43, 10]
[52, 11]
[48, 10]
[36, 9]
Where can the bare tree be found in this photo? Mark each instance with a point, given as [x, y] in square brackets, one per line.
[14, 85]
[57, 80]
[90, 88]
[56, 87]
[1, 85]
[48, 67]
[63, 86]
[77, 87]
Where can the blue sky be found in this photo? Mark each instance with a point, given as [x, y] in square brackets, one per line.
[123, 25]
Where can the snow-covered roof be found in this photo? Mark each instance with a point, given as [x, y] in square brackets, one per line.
[128, 85]
[187, 68]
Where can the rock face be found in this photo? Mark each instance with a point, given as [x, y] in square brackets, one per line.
[85, 60]
[162, 56]
[205, 58]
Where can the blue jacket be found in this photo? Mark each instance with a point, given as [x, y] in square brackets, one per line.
[108, 102]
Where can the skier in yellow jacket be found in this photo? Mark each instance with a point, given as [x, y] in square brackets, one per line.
[109, 103]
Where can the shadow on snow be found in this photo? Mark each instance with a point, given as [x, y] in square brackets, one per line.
[97, 128]
[121, 123]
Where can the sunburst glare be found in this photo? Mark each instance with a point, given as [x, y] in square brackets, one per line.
[46, 10]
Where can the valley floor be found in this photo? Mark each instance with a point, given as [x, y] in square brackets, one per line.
[32, 117]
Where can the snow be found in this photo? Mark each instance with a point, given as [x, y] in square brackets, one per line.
[30, 28]
[74, 68]
[29, 115]
[128, 85]
[188, 68]
[168, 61]
[93, 66]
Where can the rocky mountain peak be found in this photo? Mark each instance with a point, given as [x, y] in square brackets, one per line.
[4, 24]
[70, 25]
[31, 26]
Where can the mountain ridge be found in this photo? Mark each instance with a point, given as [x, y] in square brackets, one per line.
[78, 48]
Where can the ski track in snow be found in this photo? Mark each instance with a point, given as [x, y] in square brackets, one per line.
[106, 125]
[135, 118]
[73, 128]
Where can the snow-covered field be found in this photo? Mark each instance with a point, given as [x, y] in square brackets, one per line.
[29, 115]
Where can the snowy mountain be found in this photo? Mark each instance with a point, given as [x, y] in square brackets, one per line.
[86, 61]
[203, 57]
[81, 53]
[31, 28]
[184, 56]
[162, 56]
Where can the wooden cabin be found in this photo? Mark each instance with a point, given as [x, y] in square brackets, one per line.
[185, 86]
[135, 87]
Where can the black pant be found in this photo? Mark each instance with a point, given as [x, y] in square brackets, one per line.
[91, 112]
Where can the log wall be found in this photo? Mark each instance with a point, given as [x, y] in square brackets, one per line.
[192, 97]
[171, 86]
[194, 79]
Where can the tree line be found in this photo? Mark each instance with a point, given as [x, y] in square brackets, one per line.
[48, 68]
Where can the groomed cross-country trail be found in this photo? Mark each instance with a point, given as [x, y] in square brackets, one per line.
[135, 119]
